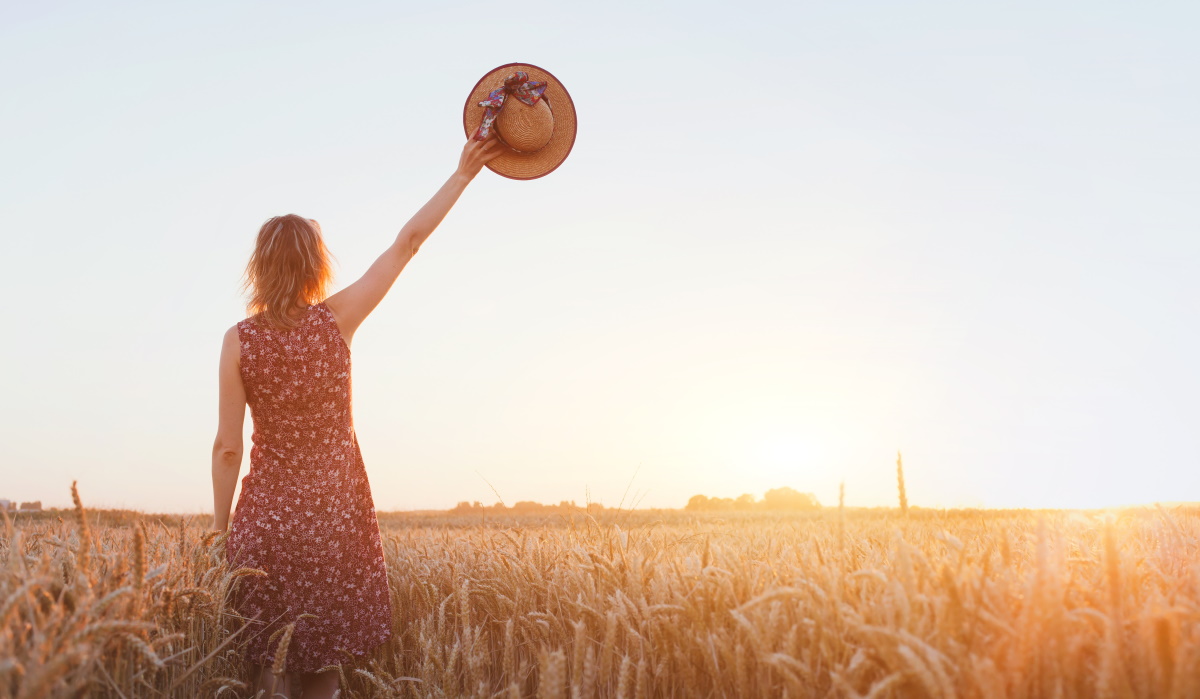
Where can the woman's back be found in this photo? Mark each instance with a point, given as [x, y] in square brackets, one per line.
[297, 385]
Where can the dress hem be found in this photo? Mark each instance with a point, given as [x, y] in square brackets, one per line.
[268, 659]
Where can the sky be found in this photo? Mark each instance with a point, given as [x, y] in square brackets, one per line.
[792, 239]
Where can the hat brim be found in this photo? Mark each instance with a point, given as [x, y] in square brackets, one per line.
[526, 166]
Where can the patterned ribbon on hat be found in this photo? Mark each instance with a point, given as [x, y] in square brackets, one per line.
[518, 85]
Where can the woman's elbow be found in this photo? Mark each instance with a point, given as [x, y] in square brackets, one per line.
[227, 453]
[407, 244]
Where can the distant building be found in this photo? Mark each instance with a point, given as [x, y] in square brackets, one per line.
[7, 505]
[35, 506]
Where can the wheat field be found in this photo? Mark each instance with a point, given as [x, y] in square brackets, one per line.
[837, 603]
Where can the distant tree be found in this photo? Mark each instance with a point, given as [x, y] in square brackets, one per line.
[789, 499]
[777, 499]
[528, 506]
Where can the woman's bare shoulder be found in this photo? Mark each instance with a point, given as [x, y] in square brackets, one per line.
[231, 344]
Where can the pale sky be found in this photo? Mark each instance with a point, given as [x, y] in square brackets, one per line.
[792, 239]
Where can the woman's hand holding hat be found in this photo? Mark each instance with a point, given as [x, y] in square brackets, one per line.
[476, 154]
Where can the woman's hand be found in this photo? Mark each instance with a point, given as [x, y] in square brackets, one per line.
[476, 154]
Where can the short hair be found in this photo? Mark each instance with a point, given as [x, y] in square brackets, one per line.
[290, 267]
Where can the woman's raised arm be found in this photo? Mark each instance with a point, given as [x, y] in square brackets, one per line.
[353, 304]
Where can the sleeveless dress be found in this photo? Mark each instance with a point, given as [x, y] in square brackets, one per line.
[305, 513]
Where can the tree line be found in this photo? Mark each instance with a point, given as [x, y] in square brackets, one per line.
[778, 499]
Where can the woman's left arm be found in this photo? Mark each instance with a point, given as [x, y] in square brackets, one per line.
[227, 448]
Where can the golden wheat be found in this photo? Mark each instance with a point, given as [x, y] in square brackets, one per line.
[849, 603]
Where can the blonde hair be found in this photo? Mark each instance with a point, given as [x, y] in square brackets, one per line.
[290, 267]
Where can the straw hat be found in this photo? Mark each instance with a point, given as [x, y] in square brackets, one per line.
[530, 112]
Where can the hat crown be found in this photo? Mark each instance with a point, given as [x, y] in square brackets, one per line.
[525, 128]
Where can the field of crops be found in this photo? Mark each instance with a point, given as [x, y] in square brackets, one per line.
[856, 603]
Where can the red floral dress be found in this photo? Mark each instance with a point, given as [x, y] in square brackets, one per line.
[305, 513]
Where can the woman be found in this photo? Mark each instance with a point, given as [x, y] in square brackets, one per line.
[305, 514]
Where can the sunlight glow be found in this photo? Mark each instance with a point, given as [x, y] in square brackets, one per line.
[781, 458]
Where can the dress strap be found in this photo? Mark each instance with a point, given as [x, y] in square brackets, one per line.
[329, 320]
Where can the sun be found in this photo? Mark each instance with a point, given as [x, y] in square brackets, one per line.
[781, 458]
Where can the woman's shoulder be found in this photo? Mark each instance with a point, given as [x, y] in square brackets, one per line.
[247, 330]
[231, 344]
[245, 325]
[329, 316]
[236, 333]
[322, 312]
